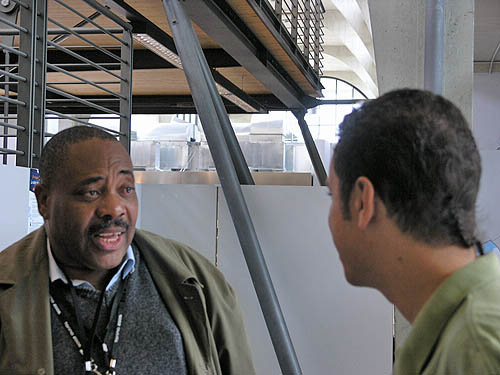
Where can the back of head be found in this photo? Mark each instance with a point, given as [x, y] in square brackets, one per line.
[55, 152]
[420, 155]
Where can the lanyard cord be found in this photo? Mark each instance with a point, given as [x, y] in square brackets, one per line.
[86, 352]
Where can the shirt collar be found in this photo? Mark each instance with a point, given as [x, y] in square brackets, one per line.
[55, 272]
[437, 311]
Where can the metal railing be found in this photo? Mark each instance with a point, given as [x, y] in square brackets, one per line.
[47, 70]
[303, 21]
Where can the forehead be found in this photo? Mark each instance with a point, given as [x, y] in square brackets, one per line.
[97, 157]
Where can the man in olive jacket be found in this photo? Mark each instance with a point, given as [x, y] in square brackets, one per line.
[87, 293]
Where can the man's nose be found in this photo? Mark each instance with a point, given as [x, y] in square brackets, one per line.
[110, 205]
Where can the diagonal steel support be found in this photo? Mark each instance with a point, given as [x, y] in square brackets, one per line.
[317, 164]
[212, 114]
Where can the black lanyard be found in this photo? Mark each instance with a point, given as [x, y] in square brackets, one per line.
[86, 349]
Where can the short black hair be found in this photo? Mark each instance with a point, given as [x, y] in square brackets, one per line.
[419, 152]
[55, 152]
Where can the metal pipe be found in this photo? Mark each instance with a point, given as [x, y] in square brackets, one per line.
[12, 75]
[77, 34]
[434, 46]
[61, 38]
[92, 100]
[492, 61]
[7, 32]
[12, 126]
[90, 21]
[60, 115]
[82, 101]
[61, 70]
[80, 83]
[84, 59]
[187, 44]
[79, 30]
[9, 151]
[106, 12]
[84, 64]
[14, 25]
[12, 101]
[316, 162]
[13, 50]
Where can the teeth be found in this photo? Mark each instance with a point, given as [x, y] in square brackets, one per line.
[109, 237]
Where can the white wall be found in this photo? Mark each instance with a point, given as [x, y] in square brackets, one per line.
[486, 129]
[14, 189]
[336, 328]
[486, 110]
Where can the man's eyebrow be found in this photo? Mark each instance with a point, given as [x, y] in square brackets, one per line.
[91, 180]
[126, 172]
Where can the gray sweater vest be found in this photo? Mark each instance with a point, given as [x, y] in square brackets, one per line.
[150, 342]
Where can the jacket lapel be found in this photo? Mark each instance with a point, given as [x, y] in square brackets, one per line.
[182, 294]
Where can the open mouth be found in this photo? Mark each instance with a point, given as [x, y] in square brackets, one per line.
[109, 240]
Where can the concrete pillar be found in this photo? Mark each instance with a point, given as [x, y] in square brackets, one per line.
[398, 28]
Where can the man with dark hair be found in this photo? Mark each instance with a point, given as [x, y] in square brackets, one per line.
[88, 293]
[404, 180]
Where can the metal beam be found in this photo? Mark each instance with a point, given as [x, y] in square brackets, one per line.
[153, 104]
[316, 162]
[230, 32]
[209, 104]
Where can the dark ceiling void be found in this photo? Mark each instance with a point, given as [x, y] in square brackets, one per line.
[152, 104]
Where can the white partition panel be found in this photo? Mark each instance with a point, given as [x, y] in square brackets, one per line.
[336, 328]
[14, 198]
[488, 208]
[185, 213]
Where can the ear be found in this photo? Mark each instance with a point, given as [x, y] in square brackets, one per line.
[42, 198]
[363, 200]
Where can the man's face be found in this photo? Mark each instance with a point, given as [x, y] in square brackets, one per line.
[344, 233]
[91, 207]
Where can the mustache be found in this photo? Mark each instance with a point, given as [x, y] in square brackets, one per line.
[96, 228]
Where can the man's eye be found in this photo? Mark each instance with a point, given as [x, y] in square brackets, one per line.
[128, 189]
[90, 193]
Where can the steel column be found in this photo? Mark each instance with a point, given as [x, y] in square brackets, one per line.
[127, 52]
[434, 46]
[26, 90]
[207, 100]
[316, 162]
[40, 41]
[6, 109]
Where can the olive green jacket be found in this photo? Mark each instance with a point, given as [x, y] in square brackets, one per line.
[199, 299]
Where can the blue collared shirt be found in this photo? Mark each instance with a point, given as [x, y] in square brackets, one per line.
[56, 273]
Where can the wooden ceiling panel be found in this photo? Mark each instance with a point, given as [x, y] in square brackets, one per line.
[151, 82]
[245, 81]
[153, 11]
[144, 82]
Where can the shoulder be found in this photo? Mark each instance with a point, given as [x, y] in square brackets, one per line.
[471, 341]
[18, 259]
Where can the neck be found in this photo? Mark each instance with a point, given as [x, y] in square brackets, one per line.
[98, 279]
[418, 271]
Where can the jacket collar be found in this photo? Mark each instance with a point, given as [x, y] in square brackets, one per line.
[168, 259]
